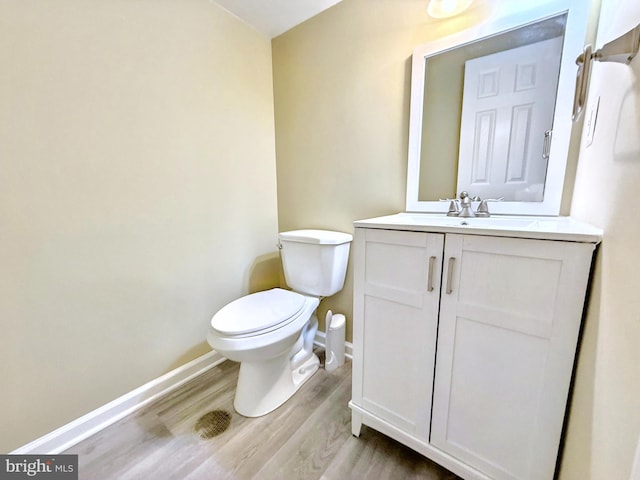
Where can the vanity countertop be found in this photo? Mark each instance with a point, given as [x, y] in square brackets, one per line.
[546, 228]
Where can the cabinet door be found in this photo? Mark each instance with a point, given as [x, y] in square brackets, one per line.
[396, 296]
[509, 321]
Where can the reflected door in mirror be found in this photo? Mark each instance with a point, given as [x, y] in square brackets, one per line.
[508, 106]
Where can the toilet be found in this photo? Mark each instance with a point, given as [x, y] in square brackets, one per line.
[271, 333]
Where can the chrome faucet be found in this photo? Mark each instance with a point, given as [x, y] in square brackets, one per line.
[463, 207]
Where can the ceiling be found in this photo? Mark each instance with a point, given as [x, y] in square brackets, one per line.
[273, 17]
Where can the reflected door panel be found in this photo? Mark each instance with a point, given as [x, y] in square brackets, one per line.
[508, 106]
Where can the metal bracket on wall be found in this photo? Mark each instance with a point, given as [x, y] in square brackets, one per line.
[621, 50]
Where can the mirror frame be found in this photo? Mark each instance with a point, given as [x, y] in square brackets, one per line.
[575, 31]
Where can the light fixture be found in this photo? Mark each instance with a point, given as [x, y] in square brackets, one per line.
[447, 8]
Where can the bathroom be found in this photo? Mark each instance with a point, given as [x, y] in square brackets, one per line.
[151, 151]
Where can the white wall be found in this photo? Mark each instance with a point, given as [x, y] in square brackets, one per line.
[604, 425]
[137, 195]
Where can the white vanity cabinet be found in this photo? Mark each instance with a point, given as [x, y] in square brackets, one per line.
[399, 283]
[464, 343]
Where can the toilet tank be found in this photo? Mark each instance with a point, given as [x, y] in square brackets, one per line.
[315, 261]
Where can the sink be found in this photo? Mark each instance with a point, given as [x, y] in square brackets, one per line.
[496, 222]
[473, 222]
[549, 228]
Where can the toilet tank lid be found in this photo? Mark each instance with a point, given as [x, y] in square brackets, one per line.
[325, 237]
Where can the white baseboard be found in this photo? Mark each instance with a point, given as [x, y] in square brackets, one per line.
[72, 433]
[321, 341]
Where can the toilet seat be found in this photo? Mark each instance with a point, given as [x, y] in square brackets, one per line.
[258, 313]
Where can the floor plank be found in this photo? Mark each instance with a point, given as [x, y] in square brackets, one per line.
[307, 438]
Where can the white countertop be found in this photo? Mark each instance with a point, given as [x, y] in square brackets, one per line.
[547, 228]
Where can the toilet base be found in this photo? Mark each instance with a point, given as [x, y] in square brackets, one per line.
[264, 386]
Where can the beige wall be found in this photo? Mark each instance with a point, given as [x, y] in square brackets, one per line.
[137, 195]
[604, 426]
[341, 88]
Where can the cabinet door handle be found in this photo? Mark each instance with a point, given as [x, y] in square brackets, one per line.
[450, 275]
[432, 261]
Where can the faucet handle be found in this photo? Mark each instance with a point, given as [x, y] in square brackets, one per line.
[483, 208]
[454, 206]
[454, 209]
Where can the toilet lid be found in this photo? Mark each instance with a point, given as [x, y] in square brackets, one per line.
[258, 311]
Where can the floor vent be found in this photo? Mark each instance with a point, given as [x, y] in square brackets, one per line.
[212, 424]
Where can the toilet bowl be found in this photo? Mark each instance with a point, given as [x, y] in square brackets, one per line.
[272, 338]
[271, 333]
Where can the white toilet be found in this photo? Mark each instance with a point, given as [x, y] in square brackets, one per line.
[271, 333]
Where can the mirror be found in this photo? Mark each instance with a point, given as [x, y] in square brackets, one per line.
[505, 90]
[463, 136]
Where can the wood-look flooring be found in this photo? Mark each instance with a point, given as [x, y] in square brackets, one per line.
[309, 437]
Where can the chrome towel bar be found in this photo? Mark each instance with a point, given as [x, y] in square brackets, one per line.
[621, 50]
